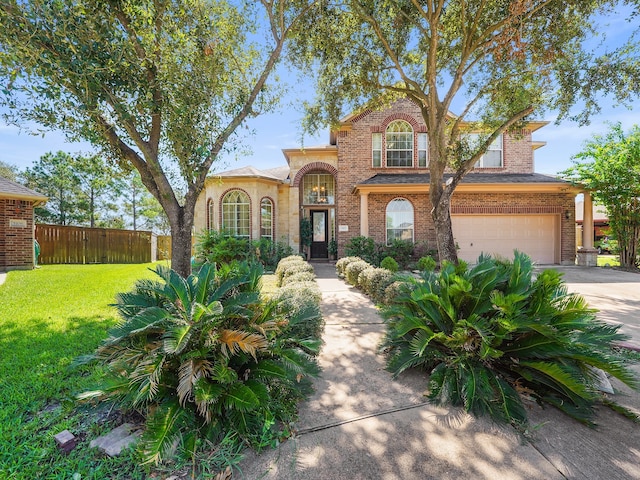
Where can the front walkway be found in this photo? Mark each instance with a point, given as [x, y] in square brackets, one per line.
[361, 424]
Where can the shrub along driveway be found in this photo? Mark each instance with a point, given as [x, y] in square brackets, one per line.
[362, 424]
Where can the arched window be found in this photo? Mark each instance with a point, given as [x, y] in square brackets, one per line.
[399, 220]
[399, 140]
[318, 189]
[210, 215]
[235, 214]
[266, 219]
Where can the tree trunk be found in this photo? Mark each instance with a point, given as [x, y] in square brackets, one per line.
[181, 222]
[441, 214]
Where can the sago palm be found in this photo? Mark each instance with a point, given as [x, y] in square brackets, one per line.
[203, 356]
[489, 334]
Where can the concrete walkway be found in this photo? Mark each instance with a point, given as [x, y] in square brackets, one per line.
[3, 277]
[362, 424]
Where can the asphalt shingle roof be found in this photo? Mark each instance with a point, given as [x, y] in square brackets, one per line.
[424, 178]
[9, 189]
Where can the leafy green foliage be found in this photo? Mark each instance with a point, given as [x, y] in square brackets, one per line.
[306, 232]
[157, 87]
[491, 333]
[363, 247]
[400, 250]
[609, 166]
[204, 356]
[426, 264]
[390, 264]
[217, 247]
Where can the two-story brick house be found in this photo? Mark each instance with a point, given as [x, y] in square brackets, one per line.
[373, 180]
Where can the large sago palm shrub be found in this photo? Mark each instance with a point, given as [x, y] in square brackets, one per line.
[493, 334]
[204, 357]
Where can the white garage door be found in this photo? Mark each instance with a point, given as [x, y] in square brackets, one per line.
[535, 235]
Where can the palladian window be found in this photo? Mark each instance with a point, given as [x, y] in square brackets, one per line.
[235, 214]
[399, 220]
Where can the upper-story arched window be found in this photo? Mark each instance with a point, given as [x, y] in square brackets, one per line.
[398, 146]
[236, 216]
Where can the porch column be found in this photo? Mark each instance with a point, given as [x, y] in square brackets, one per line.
[364, 214]
[587, 255]
[587, 222]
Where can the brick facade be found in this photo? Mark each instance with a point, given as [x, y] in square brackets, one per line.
[349, 159]
[16, 234]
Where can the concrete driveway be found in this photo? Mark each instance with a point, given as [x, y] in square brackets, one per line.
[615, 293]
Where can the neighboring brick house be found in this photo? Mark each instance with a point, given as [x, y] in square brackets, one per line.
[373, 180]
[16, 225]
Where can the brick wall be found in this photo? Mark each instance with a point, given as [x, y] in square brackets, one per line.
[16, 241]
[355, 166]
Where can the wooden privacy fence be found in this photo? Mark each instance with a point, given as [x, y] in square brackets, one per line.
[62, 244]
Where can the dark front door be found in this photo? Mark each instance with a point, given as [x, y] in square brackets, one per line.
[320, 232]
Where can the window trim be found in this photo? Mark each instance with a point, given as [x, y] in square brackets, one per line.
[223, 203]
[211, 213]
[413, 219]
[410, 132]
[498, 142]
[272, 224]
[316, 188]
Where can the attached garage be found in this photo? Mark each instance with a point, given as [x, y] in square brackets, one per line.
[536, 235]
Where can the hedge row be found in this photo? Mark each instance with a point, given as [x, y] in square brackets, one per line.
[378, 283]
[299, 293]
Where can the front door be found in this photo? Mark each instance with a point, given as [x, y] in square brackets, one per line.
[319, 242]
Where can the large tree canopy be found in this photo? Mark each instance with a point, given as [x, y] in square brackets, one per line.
[159, 85]
[609, 167]
[495, 62]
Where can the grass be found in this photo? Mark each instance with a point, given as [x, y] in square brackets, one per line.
[608, 261]
[49, 316]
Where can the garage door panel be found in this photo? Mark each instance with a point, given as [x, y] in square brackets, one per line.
[500, 235]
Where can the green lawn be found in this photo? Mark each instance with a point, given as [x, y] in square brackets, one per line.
[608, 261]
[48, 317]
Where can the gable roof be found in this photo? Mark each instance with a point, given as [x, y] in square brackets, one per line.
[277, 174]
[13, 190]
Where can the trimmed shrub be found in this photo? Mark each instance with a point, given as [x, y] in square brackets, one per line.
[353, 271]
[298, 277]
[426, 264]
[374, 282]
[487, 334]
[285, 264]
[393, 291]
[389, 264]
[301, 300]
[341, 265]
[295, 269]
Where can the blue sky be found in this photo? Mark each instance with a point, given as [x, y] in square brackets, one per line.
[281, 130]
